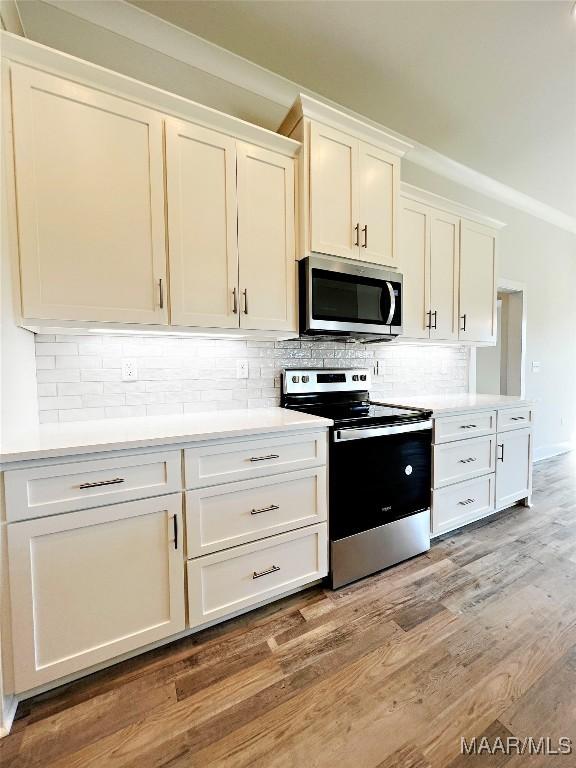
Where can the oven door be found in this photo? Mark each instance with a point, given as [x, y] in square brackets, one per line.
[343, 297]
[378, 475]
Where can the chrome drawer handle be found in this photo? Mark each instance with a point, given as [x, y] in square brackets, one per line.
[257, 575]
[517, 418]
[265, 458]
[466, 501]
[271, 508]
[469, 426]
[468, 460]
[99, 483]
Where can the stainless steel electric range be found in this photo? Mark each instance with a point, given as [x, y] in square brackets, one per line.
[379, 470]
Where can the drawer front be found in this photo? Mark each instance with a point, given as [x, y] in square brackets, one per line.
[213, 464]
[462, 503]
[463, 460]
[449, 428]
[226, 582]
[514, 418]
[49, 490]
[219, 517]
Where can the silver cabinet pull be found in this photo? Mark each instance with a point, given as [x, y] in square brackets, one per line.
[175, 525]
[265, 458]
[357, 231]
[468, 460]
[466, 501]
[463, 318]
[98, 483]
[234, 301]
[365, 230]
[257, 575]
[468, 426]
[517, 418]
[271, 508]
[161, 291]
[501, 457]
[245, 297]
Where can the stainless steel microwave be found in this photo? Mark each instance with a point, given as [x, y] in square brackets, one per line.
[340, 298]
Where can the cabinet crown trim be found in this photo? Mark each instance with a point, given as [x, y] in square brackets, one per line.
[37, 56]
[312, 109]
[411, 192]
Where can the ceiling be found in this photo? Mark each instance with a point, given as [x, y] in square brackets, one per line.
[490, 84]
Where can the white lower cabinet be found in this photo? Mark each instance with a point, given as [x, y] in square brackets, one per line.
[88, 586]
[462, 503]
[513, 467]
[229, 581]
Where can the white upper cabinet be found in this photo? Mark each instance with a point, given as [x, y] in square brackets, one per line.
[444, 249]
[266, 240]
[477, 282]
[449, 269]
[379, 184]
[90, 202]
[334, 215]
[349, 181]
[202, 226]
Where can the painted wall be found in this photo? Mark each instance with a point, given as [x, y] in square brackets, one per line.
[80, 377]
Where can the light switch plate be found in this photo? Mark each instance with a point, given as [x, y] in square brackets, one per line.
[536, 366]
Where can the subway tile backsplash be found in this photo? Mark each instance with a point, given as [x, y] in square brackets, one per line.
[80, 377]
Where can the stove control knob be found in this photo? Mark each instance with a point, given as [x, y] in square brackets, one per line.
[295, 379]
[305, 379]
[363, 377]
[355, 377]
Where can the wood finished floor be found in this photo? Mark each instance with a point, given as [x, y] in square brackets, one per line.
[477, 637]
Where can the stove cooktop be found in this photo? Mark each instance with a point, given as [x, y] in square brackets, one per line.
[365, 413]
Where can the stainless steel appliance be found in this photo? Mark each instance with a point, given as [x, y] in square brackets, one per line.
[345, 299]
[379, 471]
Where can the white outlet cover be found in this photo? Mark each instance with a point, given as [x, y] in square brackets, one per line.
[242, 369]
[129, 370]
[536, 366]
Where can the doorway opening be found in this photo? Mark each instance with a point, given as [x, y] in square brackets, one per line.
[500, 370]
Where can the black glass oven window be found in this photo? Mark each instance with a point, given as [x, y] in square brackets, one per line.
[352, 298]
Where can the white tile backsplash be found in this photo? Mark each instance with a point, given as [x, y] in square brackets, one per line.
[80, 377]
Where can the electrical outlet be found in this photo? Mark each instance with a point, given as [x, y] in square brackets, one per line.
[242, 369]
[378, 367]
[536, 366]
[129, 370]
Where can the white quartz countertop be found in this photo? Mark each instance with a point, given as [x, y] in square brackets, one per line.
[445, 405]
[72, 438]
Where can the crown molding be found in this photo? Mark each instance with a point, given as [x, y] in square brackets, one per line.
[23, 51]
[154, 33]
[433, 200]
[307, 107]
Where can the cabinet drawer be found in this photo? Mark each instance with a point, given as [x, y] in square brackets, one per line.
[514, 418]
[49, 490]
[226, 582]
[449, 428]
[218, 517]
[463, 460]
[213, 464]
[462, 503]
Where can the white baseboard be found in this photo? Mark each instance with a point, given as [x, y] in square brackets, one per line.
[9, 705]
[549, 451]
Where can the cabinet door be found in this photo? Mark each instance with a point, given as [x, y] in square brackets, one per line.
[444, 247]
[202, 226]
[334, 213]
[88, 586]
[513, 467]
[90, 194]
[414, 263]
[477, 282]
[378, 191]
[266, 239]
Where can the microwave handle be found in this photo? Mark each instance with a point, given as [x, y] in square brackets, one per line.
[392, 303]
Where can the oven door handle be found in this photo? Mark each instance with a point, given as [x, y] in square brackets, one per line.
[340, 435]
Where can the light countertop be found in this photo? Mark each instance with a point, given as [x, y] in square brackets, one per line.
[72, 438]
[446, 405]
